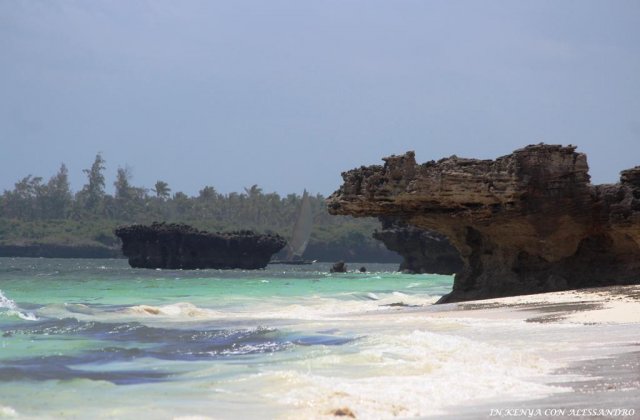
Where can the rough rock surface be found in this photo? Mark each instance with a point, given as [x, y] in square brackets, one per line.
[523, 223]
[422, 251]
[339, 267]
[175, 246]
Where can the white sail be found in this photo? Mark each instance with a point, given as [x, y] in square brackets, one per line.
[301, 230]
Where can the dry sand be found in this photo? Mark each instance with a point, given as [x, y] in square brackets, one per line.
[606, 305]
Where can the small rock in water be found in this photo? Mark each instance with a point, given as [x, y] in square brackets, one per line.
[363, 269]
[339, 267]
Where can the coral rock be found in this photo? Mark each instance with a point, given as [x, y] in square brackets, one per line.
[527, 222]
[422, 251]
[181, 246]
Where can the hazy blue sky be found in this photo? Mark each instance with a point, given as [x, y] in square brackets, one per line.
[287, 94]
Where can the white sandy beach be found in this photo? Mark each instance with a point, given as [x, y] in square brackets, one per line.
[607, 305]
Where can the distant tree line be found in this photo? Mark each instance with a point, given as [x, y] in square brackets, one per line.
[34, 199]
[50, 212]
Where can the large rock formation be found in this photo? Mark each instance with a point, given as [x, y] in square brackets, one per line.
[527, 222]
[180, 246]
[422, 251]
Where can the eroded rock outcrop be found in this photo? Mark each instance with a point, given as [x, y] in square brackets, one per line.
[422, 251]
[175, 246]
[339, 267]
[523, 223]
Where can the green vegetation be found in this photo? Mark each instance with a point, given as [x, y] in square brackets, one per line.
[50, 213]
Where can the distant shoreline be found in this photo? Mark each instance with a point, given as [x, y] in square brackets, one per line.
[316, 252]
[59, 251]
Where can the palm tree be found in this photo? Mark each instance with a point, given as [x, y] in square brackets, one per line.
[162, 190]
[254, 195]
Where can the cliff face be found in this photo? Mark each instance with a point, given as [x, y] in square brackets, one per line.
[180, 246]
[422, 251]
[527, 222]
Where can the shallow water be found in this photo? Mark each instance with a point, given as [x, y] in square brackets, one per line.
[97, 339]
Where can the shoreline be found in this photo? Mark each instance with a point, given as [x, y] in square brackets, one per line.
[610, 304]
[604, 376]
[572, 351]
[608, 384]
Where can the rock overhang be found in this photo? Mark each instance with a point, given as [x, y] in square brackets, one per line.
[528, 219]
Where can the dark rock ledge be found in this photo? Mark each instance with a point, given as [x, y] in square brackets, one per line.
[527, 222]
[174, 246]
[422, 251]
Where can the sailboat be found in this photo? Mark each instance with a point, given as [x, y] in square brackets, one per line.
[300, 236]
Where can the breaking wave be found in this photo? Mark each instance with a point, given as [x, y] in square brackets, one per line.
[9, 308]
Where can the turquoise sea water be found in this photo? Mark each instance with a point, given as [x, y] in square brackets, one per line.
[96, 338]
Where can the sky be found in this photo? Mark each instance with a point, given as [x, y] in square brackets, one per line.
[288, 94]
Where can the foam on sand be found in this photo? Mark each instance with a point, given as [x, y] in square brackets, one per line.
[6, 411]
[407, 375]
[501, 350]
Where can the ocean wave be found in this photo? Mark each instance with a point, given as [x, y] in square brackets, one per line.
[240, 310]
[9, 308]
[179, 311]
[136, 332]
[313, 307]
[174, 310]
[129, 341]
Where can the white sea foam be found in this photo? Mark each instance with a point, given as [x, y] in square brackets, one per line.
[308, 308]
[175, 310]
[79, 308]
[13, 310]
[319, 308]
[407, 375]
[6, 411]
[179, 311]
